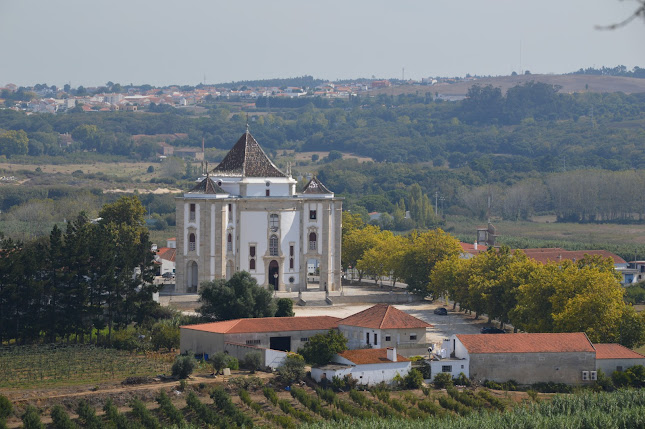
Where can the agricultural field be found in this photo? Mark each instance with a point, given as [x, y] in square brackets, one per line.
[55, 365]
[251, 401]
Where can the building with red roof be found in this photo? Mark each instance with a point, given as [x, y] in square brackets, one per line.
[384, 325]
[526, 358]
[377, 327]
[367, 366]
[614, 357]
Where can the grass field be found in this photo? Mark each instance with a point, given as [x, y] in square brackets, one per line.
[569, 232]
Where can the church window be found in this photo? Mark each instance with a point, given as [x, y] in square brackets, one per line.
[267, 193]
[252, 265]
[191, 242]
[273, 245]
[230, 208]
[252, 251]
[192, 212]
[312, 241]
[312, 214]
[229, 243]
[274, 222]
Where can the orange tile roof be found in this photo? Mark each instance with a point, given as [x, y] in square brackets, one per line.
[367, 356]
[527, 343]
[167, 253]
[556, 255]
[615, 351]
[383, 316]
[268, 324]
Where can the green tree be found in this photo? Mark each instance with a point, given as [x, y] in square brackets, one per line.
[14, 143]
[285, 308]
[239, 297]
[292, 369]
[252, 361]
[31, 418]
[425, 250]
[183, 366]
[321, 348]
[219, 361]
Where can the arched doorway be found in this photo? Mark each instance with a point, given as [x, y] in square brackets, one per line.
[274, 274]
[191, 280]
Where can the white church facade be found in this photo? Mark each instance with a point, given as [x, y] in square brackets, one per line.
[245, 215]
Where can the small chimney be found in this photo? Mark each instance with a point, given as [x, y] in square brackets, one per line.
[391, 354]
[475, 245]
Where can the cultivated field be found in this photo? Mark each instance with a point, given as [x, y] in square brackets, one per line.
[569, 84]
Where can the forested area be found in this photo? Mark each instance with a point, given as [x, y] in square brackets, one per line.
[532, 150]
[93, 275]
[581, 296]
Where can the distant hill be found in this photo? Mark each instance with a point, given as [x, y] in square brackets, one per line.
[570, 83]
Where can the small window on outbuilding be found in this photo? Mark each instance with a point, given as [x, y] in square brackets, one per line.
[446, 368]
[413, 337]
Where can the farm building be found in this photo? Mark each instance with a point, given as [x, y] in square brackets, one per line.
[379, 326]
[367, 366]
[384, 325]
[614, 357]
[241, 336]
[526, 358]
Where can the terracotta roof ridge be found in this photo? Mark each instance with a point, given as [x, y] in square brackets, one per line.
[387, 309]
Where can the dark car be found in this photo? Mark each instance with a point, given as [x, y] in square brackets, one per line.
[492, 330]
[168, 275]
[441, 311]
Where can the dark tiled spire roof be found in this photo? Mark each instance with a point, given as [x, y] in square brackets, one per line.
[315, 186]
[207, 186]
[247, 159]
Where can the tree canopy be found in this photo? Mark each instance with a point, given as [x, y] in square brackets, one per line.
[239, 297]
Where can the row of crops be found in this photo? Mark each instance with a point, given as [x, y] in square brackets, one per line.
[53, 364]
[323, 408]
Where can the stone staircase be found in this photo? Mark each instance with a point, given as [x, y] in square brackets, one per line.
[314, 299]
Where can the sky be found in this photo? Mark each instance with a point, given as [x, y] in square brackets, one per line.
[187, 42]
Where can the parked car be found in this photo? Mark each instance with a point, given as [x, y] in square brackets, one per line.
[168, 275]
[492, 330]
[441, 311]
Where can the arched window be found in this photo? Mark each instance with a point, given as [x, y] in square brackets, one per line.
[229, 243]
[273, 245]
[191, 242]
[312, 241]
[252, 264]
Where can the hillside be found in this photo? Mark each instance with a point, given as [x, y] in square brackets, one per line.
[569, 83]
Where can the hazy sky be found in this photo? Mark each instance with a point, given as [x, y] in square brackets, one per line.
[160, 42]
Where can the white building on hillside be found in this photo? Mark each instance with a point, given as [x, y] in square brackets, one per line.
[246, 215]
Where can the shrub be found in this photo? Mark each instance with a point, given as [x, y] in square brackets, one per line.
[87, 415]
[219, 361]
[321, 348]
[183, 366]
[169, 410]
[493, 401]
[223, 402]
[252, 361]
[507, 385]
[285, 308]
[413, 380]
[204, 412]
[270, 394]
[61, 419]
[551, 387]
[442, 380]
[292, 369]
[6, 409]
[462, 380]
[144, 415]
[247, 383]
[31, 418]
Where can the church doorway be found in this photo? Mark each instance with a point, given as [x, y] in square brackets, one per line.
[274, 274]
[313, 272]
[192, 277]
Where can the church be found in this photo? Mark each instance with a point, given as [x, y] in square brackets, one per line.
[246, 215]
